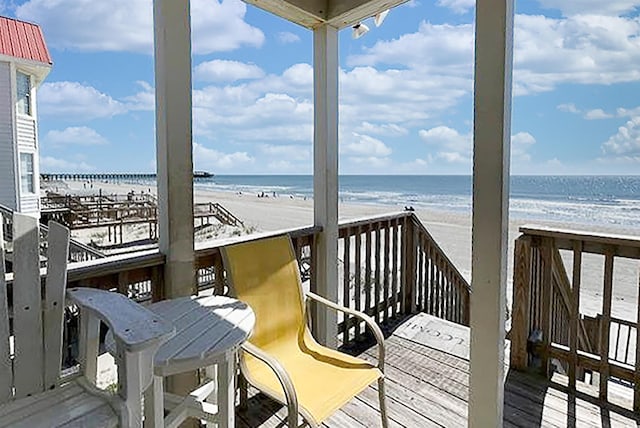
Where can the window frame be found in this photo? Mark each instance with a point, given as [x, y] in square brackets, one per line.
[27, 96]
[27, 177]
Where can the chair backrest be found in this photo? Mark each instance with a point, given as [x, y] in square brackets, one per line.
[31, 352]
[264, 273]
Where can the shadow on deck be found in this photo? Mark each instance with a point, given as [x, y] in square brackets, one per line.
[427, 373]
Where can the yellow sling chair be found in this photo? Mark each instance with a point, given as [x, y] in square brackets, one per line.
[281, 358]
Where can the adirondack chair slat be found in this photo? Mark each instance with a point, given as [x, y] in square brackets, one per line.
[6, 372]
[57, 253]
[27, 307]
[26, 398]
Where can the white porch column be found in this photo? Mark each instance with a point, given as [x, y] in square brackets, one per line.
[325, 176]
[492, 134]
[173, 141]
[174, 156]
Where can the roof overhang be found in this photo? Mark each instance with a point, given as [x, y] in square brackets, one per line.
[38, 69]
[313, 13]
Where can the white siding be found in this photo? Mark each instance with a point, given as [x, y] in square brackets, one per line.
[26, 128]
[7, 154]
[29, 204]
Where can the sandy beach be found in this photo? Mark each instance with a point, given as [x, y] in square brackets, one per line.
[452, 231]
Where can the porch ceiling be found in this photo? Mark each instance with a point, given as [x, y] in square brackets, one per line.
[337, 13]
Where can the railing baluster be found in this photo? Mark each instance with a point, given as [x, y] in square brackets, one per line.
[433, 280]
[386, 296]
[358, 277]
[394, 279]
[367, 271]
[346, 285]
[420, 282]
[378, 280]
[636, 373]
[605, 327]
[449, 294]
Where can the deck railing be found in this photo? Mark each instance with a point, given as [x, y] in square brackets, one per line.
[547, 322]
[389, 266]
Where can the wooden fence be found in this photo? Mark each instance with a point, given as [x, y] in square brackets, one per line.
[547, 322]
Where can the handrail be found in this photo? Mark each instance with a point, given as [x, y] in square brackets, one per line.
[594, 242]
[442, 253]
[547, 323]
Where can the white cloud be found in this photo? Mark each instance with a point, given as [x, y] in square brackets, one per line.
[458, 6]
[450, 145]
[455, 147]
[568, 108]
[625, 144]
[385, 129]
[206, 158]
[220, 70]
[365, 146]
[286, 37]
[76, 101]
[520, 145]
[453, 157]
[594, 114]
[143, 100]
[127, 25]
[625, 112]
[445, 136]
[75, 135]
[371, 162]
[586, 7]
[288, 151]
[582, 49]
[597, 114]
[450, 49]
[51, 164]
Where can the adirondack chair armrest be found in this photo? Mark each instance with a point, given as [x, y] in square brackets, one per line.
[134, 327]
[283, 378]
[377, 332]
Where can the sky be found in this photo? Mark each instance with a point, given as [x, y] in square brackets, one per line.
[406, 100]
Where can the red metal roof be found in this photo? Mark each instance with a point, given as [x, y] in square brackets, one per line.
[23, 40]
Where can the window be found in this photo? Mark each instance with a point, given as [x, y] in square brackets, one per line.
[27, 184]
[23, 86]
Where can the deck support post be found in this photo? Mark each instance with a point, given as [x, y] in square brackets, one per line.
[491, 142]
[325, 178]
[172, 30]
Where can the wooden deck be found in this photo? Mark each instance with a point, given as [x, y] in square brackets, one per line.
[427, 386]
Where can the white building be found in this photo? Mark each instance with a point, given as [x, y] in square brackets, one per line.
[24, 64]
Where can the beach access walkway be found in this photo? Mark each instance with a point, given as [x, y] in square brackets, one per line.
[427, 385]
[115, 211]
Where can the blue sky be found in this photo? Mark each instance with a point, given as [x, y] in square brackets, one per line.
[406, 88]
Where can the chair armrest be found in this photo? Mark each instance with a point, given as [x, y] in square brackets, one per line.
[283, 378]
[364, 317]
[134, 327]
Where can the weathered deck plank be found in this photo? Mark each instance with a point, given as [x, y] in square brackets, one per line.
[427, 387]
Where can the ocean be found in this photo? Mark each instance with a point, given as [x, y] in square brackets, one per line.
[598, 200]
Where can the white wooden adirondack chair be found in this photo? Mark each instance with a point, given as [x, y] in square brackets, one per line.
[32, 393]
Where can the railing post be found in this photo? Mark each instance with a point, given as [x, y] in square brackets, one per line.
[546, 256]
[410, 265]
[521, 303]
